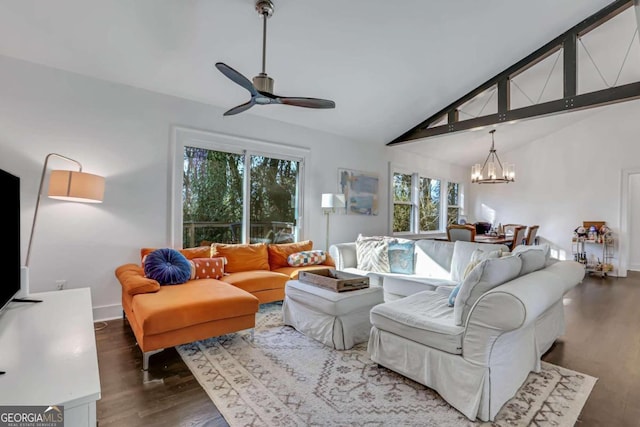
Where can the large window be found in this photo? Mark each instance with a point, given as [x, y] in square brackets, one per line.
[429, 204]
[402, 204]
[453, 203]
[238, 197]
[420, 205]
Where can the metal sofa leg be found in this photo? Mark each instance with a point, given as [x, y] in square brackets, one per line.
[253, 330]
[145, 358]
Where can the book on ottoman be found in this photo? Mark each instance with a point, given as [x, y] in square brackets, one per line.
[334, 280]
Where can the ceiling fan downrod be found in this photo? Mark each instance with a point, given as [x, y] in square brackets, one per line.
[262, 81]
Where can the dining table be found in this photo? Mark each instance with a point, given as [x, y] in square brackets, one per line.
[486, 238]
[506, 240]
[496, 240]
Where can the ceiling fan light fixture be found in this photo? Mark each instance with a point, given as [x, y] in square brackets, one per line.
[263, 83]
[261, 89]
[493, 171]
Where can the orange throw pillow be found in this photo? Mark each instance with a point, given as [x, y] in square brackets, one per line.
[242, 257]
[279, 252]
[207, 268]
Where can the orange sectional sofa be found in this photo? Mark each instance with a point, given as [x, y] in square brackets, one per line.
[165, 316]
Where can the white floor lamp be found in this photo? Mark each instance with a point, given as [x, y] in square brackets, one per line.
[72, 186]
[331, 202]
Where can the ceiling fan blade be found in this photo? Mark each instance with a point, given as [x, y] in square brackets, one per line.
[236, 77]
[240, 108]
[307, 102]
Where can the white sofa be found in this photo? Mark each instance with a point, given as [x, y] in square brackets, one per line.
[476, 354]
[436, 263]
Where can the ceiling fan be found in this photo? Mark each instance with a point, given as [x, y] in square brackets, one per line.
[261, 89]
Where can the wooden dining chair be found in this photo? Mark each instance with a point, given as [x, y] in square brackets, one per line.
[532, 235]
[461, 232]
[518, 236]
[508, 228]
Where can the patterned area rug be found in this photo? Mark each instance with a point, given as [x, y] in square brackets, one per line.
[283, 378]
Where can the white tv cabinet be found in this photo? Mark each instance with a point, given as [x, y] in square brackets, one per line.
[48, 351]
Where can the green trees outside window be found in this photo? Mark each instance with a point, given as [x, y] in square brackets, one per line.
[419, 204]
[401, 203]
[213, 197]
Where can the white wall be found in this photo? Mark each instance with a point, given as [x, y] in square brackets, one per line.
[634, 222]
[123, 133]
[568, 177]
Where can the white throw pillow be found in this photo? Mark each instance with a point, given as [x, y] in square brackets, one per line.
[372, 254]
[477, 256]
[544, 247]
[462, 255]
[532, 260]
[486, 276]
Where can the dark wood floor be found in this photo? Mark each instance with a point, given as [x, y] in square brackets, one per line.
[602, 340]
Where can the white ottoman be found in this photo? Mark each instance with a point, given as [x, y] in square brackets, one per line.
[337, 319]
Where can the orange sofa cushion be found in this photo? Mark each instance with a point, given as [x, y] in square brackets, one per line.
[279, 252]
[189, 253]
[257, 280]
[133, 282]
[242, 257]
[192, 303]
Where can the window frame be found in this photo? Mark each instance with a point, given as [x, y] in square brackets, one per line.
[411, 203]
[415, 202]
[457, 206]
[247, 147]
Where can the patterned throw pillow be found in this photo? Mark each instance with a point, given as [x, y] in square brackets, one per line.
[207, 268]
[401, 256]
[279, 252]
[167, 266]
[372, 254]
[300, 259]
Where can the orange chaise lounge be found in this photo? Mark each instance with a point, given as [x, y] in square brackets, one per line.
[166, 316]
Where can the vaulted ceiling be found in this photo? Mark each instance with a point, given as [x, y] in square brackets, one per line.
[387, 65]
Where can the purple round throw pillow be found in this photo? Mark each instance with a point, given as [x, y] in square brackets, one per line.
[167, 266]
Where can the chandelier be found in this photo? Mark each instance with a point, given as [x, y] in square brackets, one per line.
[493, 171]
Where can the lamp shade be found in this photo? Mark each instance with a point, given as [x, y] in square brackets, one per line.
[332, 201]
[76, 186]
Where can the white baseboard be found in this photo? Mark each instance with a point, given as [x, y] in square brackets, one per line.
[634, 267]
[107, 312]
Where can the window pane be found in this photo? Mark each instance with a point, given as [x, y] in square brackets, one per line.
[274, 184]
[211, 197]
[401, 218]
[453, 194]
[429, 204]
[401, 187]
[452, 215]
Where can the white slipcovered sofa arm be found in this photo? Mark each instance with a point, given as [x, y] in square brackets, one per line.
[511, 306]
[344, 255]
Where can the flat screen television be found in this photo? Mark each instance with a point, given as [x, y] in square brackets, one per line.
[10, 261]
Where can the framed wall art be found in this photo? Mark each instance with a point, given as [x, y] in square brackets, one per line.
[360, 190]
